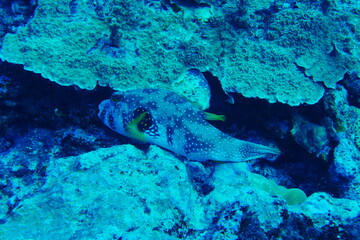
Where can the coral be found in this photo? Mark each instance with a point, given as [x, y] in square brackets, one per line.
[264, 70]
[330, 67]
[127, 44]
[336, 50]
[53, 54]
[280, 51]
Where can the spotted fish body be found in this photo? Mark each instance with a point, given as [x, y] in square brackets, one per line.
[168, 120]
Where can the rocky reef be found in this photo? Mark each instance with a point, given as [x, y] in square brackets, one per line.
[121, 43]
[284, 73]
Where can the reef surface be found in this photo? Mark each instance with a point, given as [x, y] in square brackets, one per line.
[284, 73]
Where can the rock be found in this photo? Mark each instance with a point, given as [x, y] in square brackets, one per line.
[122, 192]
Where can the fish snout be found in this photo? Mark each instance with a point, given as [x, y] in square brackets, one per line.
[103, 110]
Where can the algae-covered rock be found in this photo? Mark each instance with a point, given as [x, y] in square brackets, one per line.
[123, 192]
[346, 163]
[114, 192]
[322, 208]
[193, 86]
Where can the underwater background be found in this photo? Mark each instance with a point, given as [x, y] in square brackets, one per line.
[285, 74]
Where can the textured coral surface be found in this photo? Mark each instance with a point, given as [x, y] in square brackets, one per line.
[152, 43]
[283, 73]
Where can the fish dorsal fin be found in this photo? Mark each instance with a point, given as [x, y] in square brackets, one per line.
[214, 117]
[136, 127]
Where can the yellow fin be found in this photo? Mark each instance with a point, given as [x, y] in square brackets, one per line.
[214, 117]
[133, 130]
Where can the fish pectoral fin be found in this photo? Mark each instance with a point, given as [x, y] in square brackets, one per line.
[214, 117]
[133, 128]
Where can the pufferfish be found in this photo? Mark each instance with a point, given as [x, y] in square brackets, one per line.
[170, 121]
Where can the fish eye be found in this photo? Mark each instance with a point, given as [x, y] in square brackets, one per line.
[117, 97]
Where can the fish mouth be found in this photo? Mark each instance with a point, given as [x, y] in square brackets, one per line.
[103, 109]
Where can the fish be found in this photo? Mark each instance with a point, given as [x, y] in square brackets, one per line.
[166, 119]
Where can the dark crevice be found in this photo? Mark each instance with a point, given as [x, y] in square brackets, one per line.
[256, 120]
[351, 82]
[15, 13]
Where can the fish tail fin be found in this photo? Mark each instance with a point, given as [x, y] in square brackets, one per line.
[253, 151]
[243, 151]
